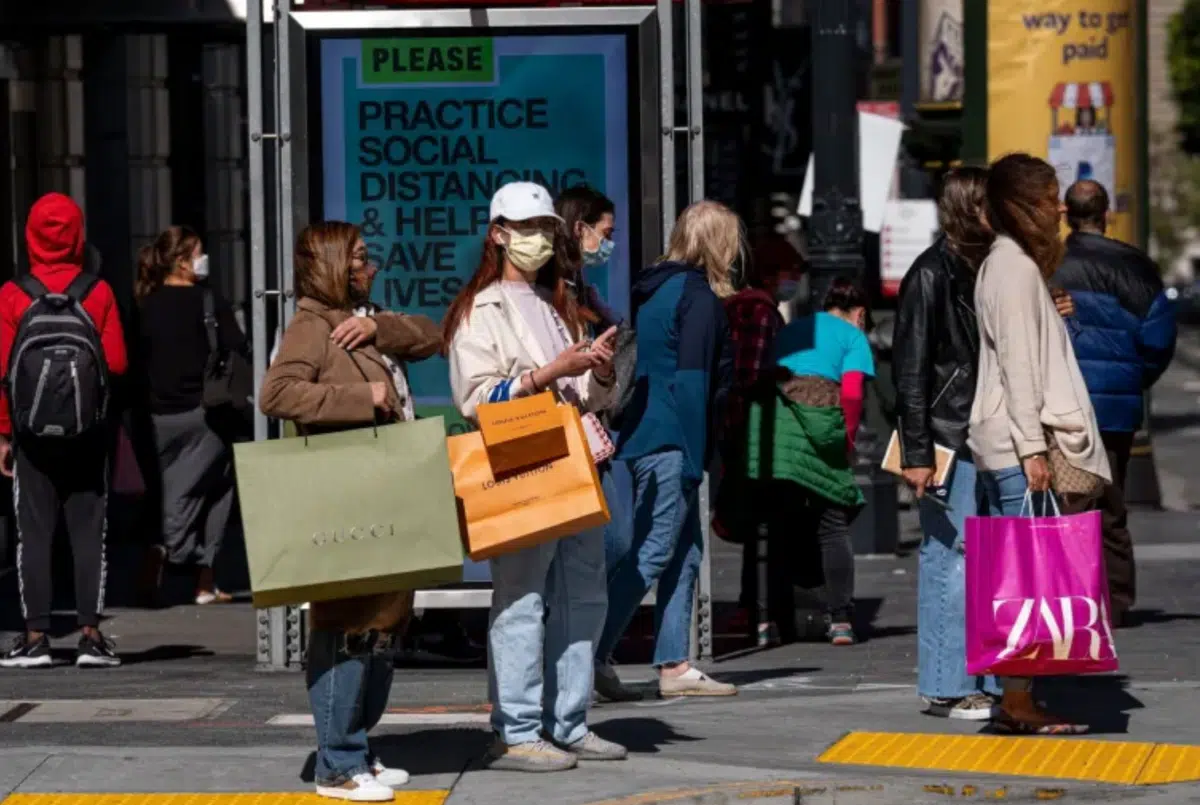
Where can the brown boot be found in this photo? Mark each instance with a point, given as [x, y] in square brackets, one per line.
[1020, 715]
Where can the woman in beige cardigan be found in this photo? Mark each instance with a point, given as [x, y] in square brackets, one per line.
[1032, 428]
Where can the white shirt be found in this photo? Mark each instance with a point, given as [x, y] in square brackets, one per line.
[494, 347]
[534, 306]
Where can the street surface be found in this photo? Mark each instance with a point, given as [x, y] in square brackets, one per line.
[188, 713]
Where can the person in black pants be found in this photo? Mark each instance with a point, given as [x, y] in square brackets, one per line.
[196, 463]
[56, 479]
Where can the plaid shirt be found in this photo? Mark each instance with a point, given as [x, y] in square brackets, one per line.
[754, 322]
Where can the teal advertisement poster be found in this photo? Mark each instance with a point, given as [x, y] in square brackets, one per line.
[419, 132]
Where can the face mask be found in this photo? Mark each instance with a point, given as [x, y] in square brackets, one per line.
[200, 267]
[529, 252]
[602, 254]
[787, 291]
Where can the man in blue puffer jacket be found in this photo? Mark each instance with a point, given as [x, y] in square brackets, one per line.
[1124, 338]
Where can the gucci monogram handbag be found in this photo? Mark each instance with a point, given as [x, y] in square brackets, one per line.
[1066, 478]
[359, 512]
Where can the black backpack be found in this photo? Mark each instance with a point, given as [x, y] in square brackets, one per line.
[57, 381]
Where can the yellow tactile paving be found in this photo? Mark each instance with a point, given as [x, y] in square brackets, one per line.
[1116, 762]
[273, 798]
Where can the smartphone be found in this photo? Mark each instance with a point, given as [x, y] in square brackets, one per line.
[939, 495]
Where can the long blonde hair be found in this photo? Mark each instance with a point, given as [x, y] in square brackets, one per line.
[322, 263]
[711, 236]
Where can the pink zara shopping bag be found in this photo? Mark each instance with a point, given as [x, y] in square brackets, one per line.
[1037, 596]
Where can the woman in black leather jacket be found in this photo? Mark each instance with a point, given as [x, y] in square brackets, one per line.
[934, 364]
[935, 359]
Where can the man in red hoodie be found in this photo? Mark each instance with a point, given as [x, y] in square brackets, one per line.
[58, 479]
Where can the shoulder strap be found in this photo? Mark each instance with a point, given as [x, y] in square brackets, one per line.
[210, 319]
[31, 285]
[81, 286]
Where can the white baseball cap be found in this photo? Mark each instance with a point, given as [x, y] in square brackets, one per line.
[520, 201]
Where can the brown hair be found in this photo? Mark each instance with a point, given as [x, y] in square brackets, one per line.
[1018, 191]
[576, 205]
[491, 269]
[322, 263]
[711, 236]
[157, 260]
[960, 214]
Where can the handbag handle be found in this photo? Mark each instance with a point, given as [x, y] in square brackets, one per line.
[1028, 501]
[374, 410]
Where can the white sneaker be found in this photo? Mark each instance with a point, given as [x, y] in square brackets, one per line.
[360, 788]
[392, 778]
[693, 682]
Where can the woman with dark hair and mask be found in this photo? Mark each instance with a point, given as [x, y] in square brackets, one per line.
[1032, 428]
[588, 217]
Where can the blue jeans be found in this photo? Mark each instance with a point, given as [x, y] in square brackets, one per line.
[548, 608]
[942, 596]
[1004, 495]
[667, 546]
[348, 686]
[617, 482]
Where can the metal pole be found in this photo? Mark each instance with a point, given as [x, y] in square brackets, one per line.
[702, 621]
[269, 628]
[283, 100]
[914, 182]
[835, 227]
[666, 89]
[258, 214]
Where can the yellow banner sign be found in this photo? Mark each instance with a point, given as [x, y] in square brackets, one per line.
[1061, 85]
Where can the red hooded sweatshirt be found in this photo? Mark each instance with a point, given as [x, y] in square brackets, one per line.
[54, 237]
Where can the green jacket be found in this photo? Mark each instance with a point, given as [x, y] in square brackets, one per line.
[805, 445]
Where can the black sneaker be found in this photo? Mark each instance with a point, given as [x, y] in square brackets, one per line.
[22, 653]
[96, 652]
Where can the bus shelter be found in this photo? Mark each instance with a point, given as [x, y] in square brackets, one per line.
[405, 122]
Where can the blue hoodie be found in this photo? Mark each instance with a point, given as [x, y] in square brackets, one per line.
[684, 367]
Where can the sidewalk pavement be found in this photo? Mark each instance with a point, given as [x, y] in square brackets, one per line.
[191, 723]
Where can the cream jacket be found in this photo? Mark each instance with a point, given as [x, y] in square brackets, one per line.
[1029, 380]
[493, 348]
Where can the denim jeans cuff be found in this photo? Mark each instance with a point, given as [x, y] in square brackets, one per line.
[518, 738]
[341, 778]
[576, 734]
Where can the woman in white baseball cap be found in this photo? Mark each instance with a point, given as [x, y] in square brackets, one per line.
[515, 330]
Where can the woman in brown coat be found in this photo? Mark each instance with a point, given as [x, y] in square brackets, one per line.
[338, 368]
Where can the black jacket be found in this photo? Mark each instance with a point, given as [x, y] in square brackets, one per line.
[935, 354]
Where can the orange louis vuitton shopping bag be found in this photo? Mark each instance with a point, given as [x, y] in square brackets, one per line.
[522, 433]
[539, 504]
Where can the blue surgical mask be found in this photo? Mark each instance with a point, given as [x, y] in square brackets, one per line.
[601, 255]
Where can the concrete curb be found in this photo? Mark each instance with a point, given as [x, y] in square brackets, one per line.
[913, 792]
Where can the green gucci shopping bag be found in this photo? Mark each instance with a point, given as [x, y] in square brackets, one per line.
[353, 513]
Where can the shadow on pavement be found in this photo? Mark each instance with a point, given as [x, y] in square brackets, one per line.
[165, 654]
[1143, 617]
[1101, 702]
[448, 751]
[642, 735]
